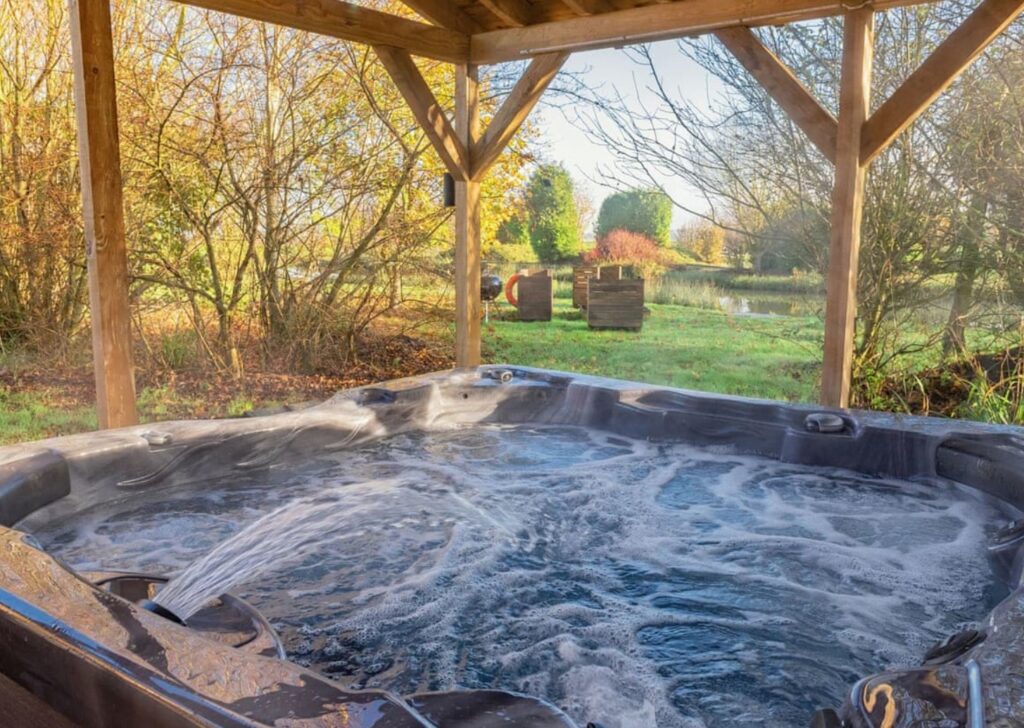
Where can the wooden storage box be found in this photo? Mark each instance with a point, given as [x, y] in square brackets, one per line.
[581, 275]
[615, 304]
[535, 297]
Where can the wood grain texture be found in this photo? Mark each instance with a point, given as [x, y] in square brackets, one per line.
[652, 22]
[348, 21]
[446, 14]
[535, 294]
[847, 209]
[615, 304]
[467, 225]
[784, 87]
[103, 210]
[589, 7]
[514, 111]
[425, 107]
[581, 276]
[515, 13]
[935, 75]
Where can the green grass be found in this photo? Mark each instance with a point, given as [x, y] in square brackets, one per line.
[773, 358]
[34, 415]
[29, 416]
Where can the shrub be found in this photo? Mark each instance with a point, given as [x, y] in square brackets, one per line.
[647, 212]
[622, 247]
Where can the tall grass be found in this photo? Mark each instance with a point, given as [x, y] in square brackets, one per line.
[673, 291]
[1000, 401]
[733, 280]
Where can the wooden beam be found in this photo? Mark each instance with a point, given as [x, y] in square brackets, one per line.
[936, 74]
[347, 21]
[467, 225]
[847, 208]
[651, 23]
[514, 12]
[446, 14]
[780, 83]
[589, 7]
[106, 250]
[520, 102]
[428, 112]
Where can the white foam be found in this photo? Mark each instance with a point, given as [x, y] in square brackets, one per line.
[632, 583]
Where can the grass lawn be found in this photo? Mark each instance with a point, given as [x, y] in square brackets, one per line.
[773, 358]
[40, 413]
[33, 415]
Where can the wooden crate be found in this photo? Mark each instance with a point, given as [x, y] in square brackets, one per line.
[615, 304]
[610, 273]
[581, 275]
[535, 297]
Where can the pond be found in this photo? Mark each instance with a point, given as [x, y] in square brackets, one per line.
[752, 304]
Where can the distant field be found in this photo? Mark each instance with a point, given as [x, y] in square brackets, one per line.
[680, 346]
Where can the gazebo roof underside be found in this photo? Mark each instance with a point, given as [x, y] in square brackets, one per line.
[492, 31]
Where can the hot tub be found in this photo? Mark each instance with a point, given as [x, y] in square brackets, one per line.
[517, 547]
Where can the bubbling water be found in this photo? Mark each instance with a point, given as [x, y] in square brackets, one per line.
[631, 583]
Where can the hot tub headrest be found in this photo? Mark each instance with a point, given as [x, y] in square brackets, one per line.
[31, 483]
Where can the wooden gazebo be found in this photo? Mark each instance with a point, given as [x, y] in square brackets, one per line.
[471, 33]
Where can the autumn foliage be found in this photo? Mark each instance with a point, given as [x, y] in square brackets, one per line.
[622, 247]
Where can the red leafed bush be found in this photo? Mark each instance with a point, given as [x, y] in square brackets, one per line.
[622, 247]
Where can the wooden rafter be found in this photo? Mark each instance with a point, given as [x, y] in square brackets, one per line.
[847, 208]
[780, 83]
[347, 21]
[446, 14]
[589, 7]
[517, 13]
[513, 112]
[425, 107]
[650, 23]
[936, 74]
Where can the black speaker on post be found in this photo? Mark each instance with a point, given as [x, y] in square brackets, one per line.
[449, 190]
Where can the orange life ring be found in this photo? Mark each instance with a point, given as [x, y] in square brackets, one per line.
[510, 289]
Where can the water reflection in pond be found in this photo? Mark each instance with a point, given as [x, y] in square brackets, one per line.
[744, 305]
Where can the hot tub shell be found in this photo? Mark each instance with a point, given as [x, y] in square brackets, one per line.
[70, 646]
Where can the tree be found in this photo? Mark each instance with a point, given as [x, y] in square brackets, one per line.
[42, 261]
[938, 201]
[586, 211]
[644, 211]
[554, 222]
[512, 240]
[514, 231]
[702, 240]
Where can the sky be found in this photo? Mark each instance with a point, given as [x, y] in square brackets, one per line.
[612, 69]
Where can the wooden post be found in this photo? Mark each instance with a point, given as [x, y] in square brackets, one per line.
[467, 225]
[103, 208]
[847, 208]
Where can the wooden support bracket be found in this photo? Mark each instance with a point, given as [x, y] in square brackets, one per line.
[513, 113]
[783, 86]
[428, 112]
[935, 75]
[445, 14]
